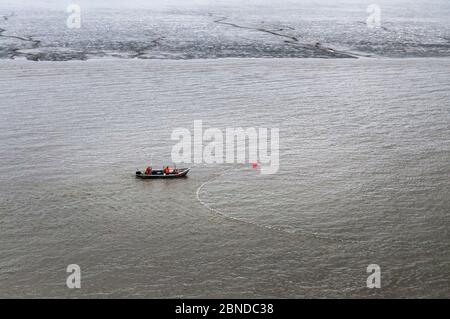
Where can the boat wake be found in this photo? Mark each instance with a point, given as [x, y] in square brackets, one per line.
[265, 227]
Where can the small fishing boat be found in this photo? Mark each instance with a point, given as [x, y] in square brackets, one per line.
[158, 173]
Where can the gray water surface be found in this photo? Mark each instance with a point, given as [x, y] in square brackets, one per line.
[364, 179]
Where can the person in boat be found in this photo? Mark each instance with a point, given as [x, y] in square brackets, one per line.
[166, 170]
[148, 170]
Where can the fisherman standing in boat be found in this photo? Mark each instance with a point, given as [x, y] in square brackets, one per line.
[148, 170]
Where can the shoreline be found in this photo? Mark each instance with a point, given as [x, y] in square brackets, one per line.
[110, 59]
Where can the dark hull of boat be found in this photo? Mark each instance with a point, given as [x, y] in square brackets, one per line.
[159, 174]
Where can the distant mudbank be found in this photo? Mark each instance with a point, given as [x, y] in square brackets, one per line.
[32, 49]
[216, 34]
[276, 44]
